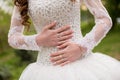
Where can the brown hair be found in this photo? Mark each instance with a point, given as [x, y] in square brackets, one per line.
[23, 8]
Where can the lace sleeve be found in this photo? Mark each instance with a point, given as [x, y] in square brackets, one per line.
[103, 24]
[16, 39]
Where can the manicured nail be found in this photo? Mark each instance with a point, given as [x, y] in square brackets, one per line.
[58, 47]
[54, 63]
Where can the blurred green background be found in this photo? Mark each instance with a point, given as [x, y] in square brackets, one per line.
[13, 62]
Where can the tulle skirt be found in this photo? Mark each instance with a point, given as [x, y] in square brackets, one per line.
[96, 66]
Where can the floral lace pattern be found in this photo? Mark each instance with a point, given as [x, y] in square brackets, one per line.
[103, 23]
[16, 38]
[64, 12]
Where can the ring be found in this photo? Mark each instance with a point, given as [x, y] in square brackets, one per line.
[64, 59]
[61, 56]
[59, 36]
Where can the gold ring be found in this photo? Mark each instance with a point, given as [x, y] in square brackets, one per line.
[63, 59]
[59, 36]
[61, 56]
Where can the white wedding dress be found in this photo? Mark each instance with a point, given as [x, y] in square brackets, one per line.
[93, 66]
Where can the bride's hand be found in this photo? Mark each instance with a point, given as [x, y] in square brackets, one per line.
[69, 52]
[54, 37]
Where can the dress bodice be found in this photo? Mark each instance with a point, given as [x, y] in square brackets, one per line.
[62, 11]
[43, 12]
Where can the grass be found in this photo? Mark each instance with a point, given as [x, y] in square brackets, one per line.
[110, 45]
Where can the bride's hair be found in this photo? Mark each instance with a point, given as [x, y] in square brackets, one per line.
[23, 8]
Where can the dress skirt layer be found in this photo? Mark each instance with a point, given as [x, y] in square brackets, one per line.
[95, 66]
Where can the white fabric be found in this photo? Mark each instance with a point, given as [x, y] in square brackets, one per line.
[92, 67]
[16, 38]
[103, 24]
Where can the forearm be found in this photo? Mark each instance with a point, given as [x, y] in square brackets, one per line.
[103, 24]
[19, 41]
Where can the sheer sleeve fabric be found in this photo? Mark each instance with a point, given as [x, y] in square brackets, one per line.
[103, 23]
[16, 38]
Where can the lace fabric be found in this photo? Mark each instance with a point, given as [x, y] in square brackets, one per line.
[103, 23]
[16, 38]
[64, 12]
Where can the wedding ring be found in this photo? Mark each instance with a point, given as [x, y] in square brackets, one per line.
[61, 56]
[59, 36]
[55, 63]
[64, 59]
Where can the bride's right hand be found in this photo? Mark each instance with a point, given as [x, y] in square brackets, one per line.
[54, 37]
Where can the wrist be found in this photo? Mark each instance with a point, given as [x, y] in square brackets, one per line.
[39, 40]
[83, 49]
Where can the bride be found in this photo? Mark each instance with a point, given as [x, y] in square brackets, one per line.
[63, 53]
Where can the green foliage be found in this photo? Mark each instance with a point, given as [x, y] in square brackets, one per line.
[113, 6]
[4, 73]
[25, 56]
[4, 26]
[110, 45]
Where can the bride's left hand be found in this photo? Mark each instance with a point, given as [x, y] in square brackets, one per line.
[69, 52]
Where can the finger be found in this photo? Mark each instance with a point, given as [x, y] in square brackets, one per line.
[57, 53]
[63, 45]
[62, 42]
[60, 61]
[63, 28]
[53, 59]
[65, 37]
[67, 32]
[51, 25]
[56, 58]
[66, 62]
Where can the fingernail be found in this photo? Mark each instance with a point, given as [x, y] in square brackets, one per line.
[58, 47]
[54, 63]
[61, 65]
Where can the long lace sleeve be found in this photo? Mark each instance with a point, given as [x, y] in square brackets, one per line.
[16, 39]
[103, 24]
